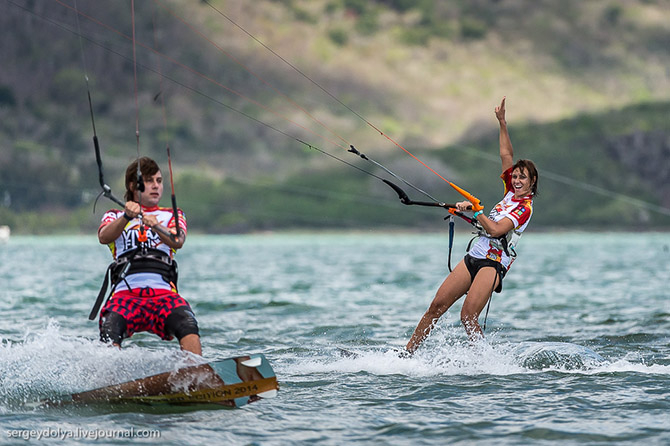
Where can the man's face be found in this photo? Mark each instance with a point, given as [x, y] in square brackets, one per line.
[153, 190]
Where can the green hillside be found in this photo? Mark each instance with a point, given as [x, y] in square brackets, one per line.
[587, 87]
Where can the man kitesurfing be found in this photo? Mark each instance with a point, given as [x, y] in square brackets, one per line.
[143, 239]
[488, 260]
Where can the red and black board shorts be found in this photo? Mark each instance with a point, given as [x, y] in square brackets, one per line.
[145, 309]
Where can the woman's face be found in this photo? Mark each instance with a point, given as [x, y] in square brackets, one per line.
[521, 182]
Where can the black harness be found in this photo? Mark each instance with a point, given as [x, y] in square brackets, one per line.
[139, 260]
[509, 250]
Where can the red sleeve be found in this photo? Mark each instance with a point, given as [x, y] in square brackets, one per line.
[506, 176]
[109, 217]
[182, 221]
[522, 212]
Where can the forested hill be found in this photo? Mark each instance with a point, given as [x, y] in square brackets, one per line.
[253, 91]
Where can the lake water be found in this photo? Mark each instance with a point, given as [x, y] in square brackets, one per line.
[577, 349]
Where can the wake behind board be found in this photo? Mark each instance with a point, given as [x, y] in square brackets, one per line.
[399, 352]
[347, 353]
[231, 382]
[562, 355]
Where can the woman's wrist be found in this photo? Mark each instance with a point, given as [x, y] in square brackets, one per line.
[478, 213]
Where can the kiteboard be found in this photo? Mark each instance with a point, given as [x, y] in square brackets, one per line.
[231, 382]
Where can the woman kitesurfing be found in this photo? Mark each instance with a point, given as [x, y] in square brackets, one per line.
[488, 260]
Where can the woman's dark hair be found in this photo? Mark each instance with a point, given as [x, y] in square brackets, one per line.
[532, 172]
[148, 167]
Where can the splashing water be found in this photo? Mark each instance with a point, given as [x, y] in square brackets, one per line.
[570, 356]
[46, 364]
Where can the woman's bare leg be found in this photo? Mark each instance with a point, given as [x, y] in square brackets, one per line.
[480, 291]
[454, 286]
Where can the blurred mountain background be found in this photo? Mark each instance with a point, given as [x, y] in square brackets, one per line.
[587, 86]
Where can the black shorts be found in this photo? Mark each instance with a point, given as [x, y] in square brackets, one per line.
[474, 265]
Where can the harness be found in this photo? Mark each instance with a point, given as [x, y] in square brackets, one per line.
[508, 241]
[138, 260]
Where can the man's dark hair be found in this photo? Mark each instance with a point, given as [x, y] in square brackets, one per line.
[148, 167]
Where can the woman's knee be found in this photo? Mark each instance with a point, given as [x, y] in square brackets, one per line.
[437, 309]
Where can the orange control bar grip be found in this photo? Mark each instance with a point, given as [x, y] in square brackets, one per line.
[476, 202]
